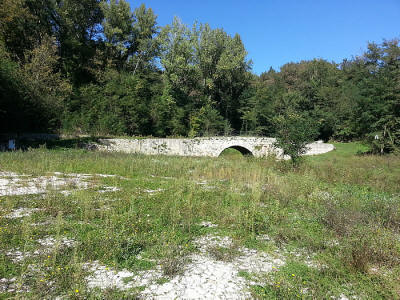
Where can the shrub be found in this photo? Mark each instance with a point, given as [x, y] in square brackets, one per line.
[294, 131]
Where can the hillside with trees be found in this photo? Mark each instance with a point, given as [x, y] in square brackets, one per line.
[100, 67]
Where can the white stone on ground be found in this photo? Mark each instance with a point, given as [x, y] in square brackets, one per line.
[203, 278]
[263, 238]
[17, 256]
[47, 245]
[16, 184]
[107, 189]
[162, 177]
[52, 242]
[21, 212]
[104, 277]
[66, 193]
[11, 285]
[207, 278]
[207, 224]
[205, 185]
[149, 191]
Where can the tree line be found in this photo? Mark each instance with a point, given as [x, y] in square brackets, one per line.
[101, 67]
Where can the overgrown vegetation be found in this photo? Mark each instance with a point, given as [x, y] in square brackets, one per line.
[293, 132]
[99, 67]
[335, 220]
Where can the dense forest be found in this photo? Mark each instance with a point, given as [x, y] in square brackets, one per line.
[101, 67]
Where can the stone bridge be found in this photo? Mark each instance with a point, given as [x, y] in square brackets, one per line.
[210, 146]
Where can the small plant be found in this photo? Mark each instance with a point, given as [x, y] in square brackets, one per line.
[223, 253]
[174, 262]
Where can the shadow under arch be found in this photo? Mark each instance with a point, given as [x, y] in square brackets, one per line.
[243, 150]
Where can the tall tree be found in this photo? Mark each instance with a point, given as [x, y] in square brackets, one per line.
[76, 25]
[205, 68]
[146, 46]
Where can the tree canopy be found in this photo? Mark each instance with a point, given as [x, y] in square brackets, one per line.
[102, 67]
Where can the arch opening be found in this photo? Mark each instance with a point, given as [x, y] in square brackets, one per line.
[244, 151]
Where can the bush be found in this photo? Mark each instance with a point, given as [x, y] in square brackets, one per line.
[293, 133]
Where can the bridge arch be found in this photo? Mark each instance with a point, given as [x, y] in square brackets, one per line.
[241, 149]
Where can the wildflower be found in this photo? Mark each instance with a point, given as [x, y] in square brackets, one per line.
[76, 291]
[293, 275]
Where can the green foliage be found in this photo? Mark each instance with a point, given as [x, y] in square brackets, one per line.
[206, 122]
[62, 62]
[206, 71]
[129, 36]
[334, 221]
[44, 82]
[120, 106]
[33, 95]
[293, 133]
[77, 31]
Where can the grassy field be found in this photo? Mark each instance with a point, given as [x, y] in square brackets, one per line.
[334, 222]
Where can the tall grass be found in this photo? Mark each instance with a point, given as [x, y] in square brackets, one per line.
[341, 208]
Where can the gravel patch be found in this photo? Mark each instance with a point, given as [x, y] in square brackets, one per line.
[11, 285]
[207, 278]
[104, 278]
[208, 224]
[203, 278]
[20, 184]
[17, 256]
[149, 191]
[205, 185]
[263, 238]
[47, 245]
[108, 189]
[21, 212]
[50, 242]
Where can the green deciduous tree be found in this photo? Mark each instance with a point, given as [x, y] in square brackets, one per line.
[206, 70]
[293, 132]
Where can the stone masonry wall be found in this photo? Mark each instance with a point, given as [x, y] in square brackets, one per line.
[212, 146]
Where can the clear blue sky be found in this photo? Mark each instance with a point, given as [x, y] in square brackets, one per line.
[279, 31]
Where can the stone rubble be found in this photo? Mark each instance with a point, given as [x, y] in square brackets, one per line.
[203, 278]
[103, 277]
[149, 191]
[17, 256]
[162, 177]
[263, 238]
[208, 224]
[205, 185]
[51, 242]
[47, 245]
[108, 189]
[21, 184]
[11, 285]
[207, 278]
[21, 212]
